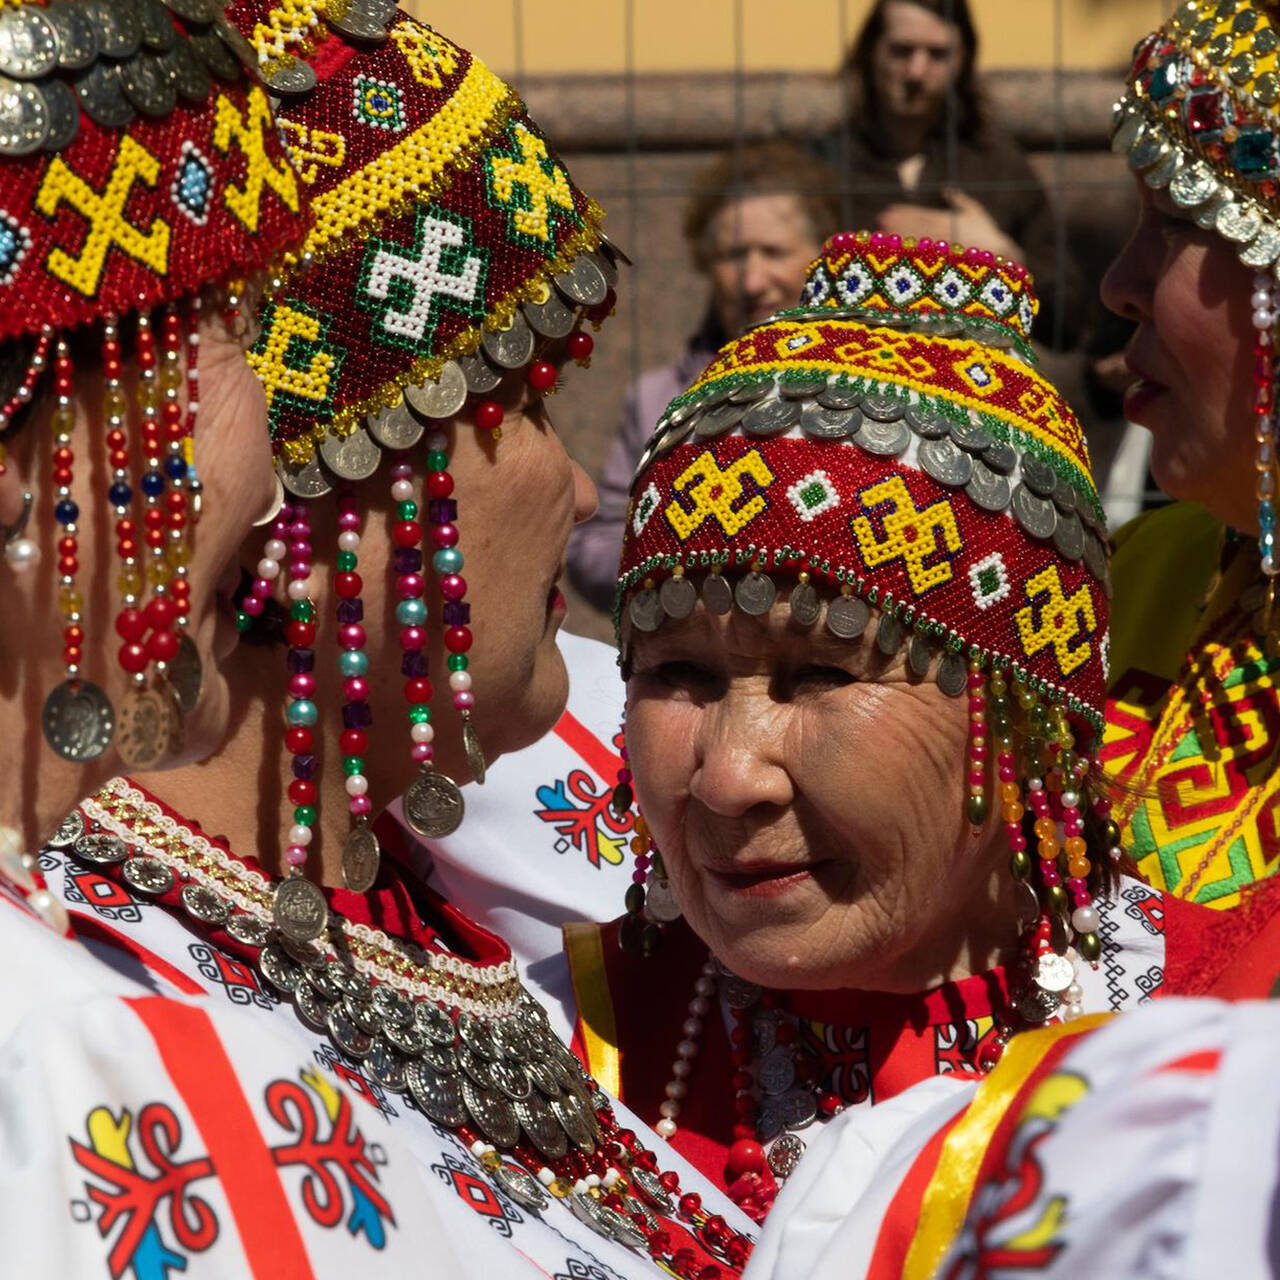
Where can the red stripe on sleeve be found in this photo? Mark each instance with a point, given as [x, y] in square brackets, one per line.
[577, 737]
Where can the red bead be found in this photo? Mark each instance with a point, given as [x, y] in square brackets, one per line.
[488, 415]
[407, 533]
[439, 484]
[133, 658]
[418, 690]
[298, 740]
[690, 1203]
[670, 1181]
[457, 639]
[160, 613]
[741, 1130]
[74, 634]
[580, 345]
[348, 585]
[68, 566]
[445, 535]
[163, 646]
[354, 742]
[745, 1156]
[829, 1104]
[302, 791]
[542, 375]
[745, 1106]
[990, 1054]
[300, 635]
[130, 624]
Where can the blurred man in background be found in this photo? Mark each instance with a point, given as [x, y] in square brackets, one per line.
[918, 154]
[755, 221]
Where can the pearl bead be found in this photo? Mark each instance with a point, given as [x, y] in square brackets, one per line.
[299, 588]
[704, 987]
[1074, 993]
[546, 1175]
[691, 1027]
[1085, 920]
[357, 784]
[665, 1128]
[268, 569]
[1071, 799]
[275, 549]
[422, 732]
[670, 1109]
[402, 491]
[348, 541]
[677, 1089]
[437, 442]
[460, 681]
[681, 1068]
[1263, 319]
[1261, 298]
[699, 1006]
[300, 835]
[1075, 1010]
[611, 1178]
[687, 1048]
[22, 554]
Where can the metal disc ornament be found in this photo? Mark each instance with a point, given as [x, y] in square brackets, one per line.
[24, 118]
[521, 1186]
[771, 417]
[361, 855]
[1038, 476]
[190, 76]
[307, 481]
[755, 594]
[292, 80]
[1035, 514]
[805, 604]
[433, 805]
[148, 876]
[352, 457]
[473, 751]
[785, 1155]
[204, 904]
[149, 728]
[480, 375]
[919, 656]
[1069, 536]
[299, 909]
[395, 427]
[839, 395]
[147, 84]
[947, 464]
[953, 674]
[890, 633]
[717, 594]
[987, 488]
[439, 399]
[884, 439]
[63, 113]
[646, 610]
[847, 617]
[1054, 972]
[78, 721]
[821, 423]
[678, 597]
[549, 315]
[28, 43]
[101, 848]
[1095, 556]
[512, 347]
[660, 902]
[927, 423]
[883, 406]
[77, 42]
[248, 929]
[70, 829]
[583, 283]
[1037, 1005]
[1000, 457]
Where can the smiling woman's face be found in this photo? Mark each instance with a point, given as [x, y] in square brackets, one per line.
[1191, 357]
[807, 795]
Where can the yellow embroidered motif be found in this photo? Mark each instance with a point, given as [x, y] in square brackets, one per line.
[310, 148]
[715, 493]
[430, 56]
[268, 357]
[508, 178]
[911, 534]
[1063, 619]
[291, 23]
[249, 132]
[105, 214]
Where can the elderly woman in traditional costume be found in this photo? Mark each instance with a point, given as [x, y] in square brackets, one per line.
[408, 584]
[863, 609]
[1191, 723]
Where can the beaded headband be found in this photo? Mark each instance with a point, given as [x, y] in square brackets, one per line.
[451, 252]
[835, 450]
[453, 241]
[1200, 118]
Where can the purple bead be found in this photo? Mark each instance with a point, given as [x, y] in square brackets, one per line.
[356, 715]
[456, 613]
[304, 766]
[301, 660]
[350, 611]
[413, 665]
[442, 510]
[408, 560]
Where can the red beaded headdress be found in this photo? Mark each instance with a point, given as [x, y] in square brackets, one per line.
[886, 452]
[138, 163]
[450, 251]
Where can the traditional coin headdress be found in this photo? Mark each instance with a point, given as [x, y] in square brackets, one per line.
[1200, 117]
[451, 250]
[138, 163]
[887, 450]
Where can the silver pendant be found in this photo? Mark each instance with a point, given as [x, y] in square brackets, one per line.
[646, 610]
[890, 633]
[186, 675]
[307, 481]
[660, 902]
[953, 674]
[292, 81]
[438, 1097]
[988, 489]
[777, 1071]
[847, 617]
[494, 1115]
[884, 439]
[785, 1154]
[396, 427]
[299, 909]
[583, 283]
[147, 875]
[439, 399]
[521, 1186]
[1054, 972]
[360, 858]
[805, 605]
[204, 904]
[1037, 1005]
[678, 597]
[102, 849]
[541, 1127]
[1036, 515]
[717, 595]
[433, 805]
[150, 728]
[78, 720]
[472, 749]
[353, 457]
[755, 594]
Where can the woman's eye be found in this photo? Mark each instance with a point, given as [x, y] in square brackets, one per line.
[829, 677]
[682, 675]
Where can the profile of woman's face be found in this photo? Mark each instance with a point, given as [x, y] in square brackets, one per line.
[807, 797]
[1191, 356]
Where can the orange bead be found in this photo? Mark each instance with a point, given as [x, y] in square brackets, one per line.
[639, 844]
[1010, 791]
[1075, 847]
[640, 825]
[1012, 812]
[1046, 827]
[1049, 849]
[1079, 867]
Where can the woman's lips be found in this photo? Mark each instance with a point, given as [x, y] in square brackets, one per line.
[764, 880]
[1139, 398]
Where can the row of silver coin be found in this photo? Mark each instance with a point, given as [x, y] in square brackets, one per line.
[358, 455]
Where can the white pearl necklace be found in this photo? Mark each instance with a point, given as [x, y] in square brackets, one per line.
[678, 1086]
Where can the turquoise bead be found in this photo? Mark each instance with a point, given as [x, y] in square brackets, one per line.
[353, 662]
[303, 712]
[447, 560]
[411, 613]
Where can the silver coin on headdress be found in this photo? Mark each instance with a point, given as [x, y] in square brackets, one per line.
[801, 388]
[1000, 457]
[395, 427]
[28, 42]
[750, 392]
[356, 23]
[292, 79]
[78, 720]
[117, 25]
[945, 463]
[512, 347]
[480, 375]
[433, 805]
[829, 424]
[77, 41]
[716, 420]
[351, 457]
[927, 422]
[1035, 514]
[971, 437]
[24, 117]
[884, 406]
[1069, 536]
[550, 316]
[847, 617]
[204, 904]
[102, 849]
[1038, 475]
[678, 597]
[884, 439]
[248, 929]
[1095, 556]
[645, 610]
[441, 398]
[157, 28]
[307, 481]
[1064, 496]
[755, 593]
[919, 655]
[70, 829]
[890, 633]
[840, 395]
[583, 283]
[953, 674]
[988, 489]
[438, 1096]
[148, 85]
[63, 113]
[717, 594]
[805, 604]
[770, 417]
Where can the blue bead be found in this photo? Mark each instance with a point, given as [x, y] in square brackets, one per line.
[1266, 515]
[174, 467]
[119, 494]
[303, 712]
[353, 662]
[153, 484]
[447, 560]
[411, 613]
[66, 512]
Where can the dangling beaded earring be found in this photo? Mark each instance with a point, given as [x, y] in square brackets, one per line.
[1266, 309]
[433, 803]
[78, 719]
[650, 901]
[299, 908]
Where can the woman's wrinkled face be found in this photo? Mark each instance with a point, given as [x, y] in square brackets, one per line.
[1191, 356]
[807, 797]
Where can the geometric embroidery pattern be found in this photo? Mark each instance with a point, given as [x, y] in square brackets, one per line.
[250, 132]
[294, 363]
[192, 187]
[646, 505]
[378, 103]
[990, 580]
[15, 240]
[813, 494]
[1061, 620]
[532, 186]
[714, 493]
[910, 534]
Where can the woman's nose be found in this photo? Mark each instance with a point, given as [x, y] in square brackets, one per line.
[740, 764]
